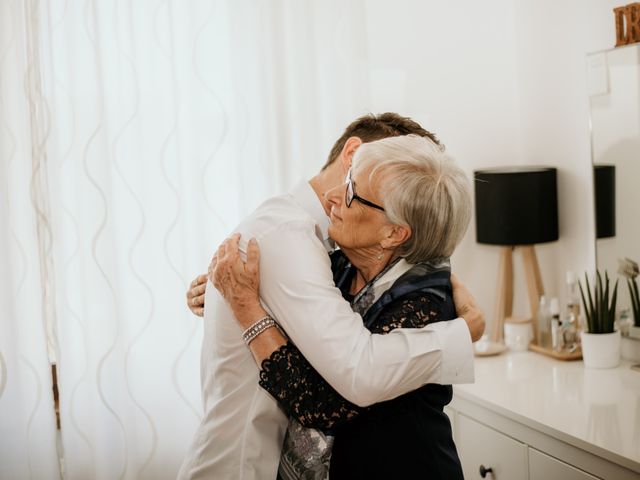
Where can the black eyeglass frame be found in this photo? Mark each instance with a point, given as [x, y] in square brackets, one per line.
[350, 195]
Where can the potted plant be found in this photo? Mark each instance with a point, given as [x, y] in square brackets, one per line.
[629, 269]
[601, 343]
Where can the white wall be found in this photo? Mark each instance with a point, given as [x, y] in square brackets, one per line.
[501, 82]
[553, 40]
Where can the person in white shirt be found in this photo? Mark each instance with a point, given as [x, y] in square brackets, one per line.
[242, 429]
[397, 219]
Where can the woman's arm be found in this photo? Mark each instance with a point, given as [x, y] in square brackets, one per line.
[299, 389]
[285, 373]
[239, 283]
[304, 395]
[364, 368]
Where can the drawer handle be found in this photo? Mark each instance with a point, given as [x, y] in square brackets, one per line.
[484, 470]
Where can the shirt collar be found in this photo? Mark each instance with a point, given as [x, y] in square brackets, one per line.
[306, 197]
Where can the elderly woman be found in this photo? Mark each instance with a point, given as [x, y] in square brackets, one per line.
[403, 209]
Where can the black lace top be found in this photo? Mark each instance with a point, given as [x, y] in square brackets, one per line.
[306, 396]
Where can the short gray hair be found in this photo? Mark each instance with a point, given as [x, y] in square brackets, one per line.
[420, 187]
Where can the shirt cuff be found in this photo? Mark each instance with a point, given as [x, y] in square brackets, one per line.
[457, 352]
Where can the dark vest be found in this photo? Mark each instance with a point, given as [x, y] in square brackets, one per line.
[410, 436]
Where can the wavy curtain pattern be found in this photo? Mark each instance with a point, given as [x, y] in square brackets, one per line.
[27, 421]
[133, 137]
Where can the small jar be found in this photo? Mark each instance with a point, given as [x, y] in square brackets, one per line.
[518, 333]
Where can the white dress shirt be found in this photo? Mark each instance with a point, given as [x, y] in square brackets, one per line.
[241, 433]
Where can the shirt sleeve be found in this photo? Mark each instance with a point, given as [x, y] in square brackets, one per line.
[296, 286]
[305, 396]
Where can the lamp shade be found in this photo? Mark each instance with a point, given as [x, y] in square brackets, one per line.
[516, 205]
[605, 192]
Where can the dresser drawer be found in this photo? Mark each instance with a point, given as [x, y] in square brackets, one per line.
[544, 467]
[480, 446]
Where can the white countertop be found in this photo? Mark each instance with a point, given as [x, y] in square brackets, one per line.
[596, 410]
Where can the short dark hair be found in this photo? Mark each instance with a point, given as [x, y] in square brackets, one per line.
[370, 127]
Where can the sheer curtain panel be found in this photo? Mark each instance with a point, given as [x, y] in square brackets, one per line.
[134, 135]
[27, 420]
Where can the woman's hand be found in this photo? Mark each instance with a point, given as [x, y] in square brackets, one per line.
[238, 281]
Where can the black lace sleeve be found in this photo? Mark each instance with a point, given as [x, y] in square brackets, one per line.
[304, 395]
[301, 392]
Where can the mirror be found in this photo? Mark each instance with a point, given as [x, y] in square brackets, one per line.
[614, 100]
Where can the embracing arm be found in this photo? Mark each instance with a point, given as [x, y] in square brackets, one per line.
[285, 373]
[365, 368]
[304, 395]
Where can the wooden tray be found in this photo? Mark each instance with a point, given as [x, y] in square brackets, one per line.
[576, 355]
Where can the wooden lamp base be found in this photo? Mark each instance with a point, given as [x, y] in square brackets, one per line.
[504, 300]
[504, 297]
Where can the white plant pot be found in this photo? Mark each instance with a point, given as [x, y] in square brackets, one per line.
[630, 348]
[601, 350]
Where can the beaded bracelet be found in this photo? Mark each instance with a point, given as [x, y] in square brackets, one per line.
[257, 328]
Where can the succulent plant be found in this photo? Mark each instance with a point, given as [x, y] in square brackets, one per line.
[629, 269]
[600, 312]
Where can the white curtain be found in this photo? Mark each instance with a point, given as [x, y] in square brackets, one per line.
[27, 420]
[133, 137]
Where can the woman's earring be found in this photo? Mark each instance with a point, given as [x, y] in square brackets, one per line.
[381, 254]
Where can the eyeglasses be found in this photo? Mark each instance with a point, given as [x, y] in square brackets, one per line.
[350, 195]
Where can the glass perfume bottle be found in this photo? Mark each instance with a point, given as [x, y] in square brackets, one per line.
[543, 319]
[557, 340]
[570, 320]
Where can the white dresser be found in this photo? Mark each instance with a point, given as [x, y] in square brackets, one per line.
[531, 417]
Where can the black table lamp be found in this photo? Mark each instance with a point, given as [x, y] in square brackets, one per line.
[516, 207]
